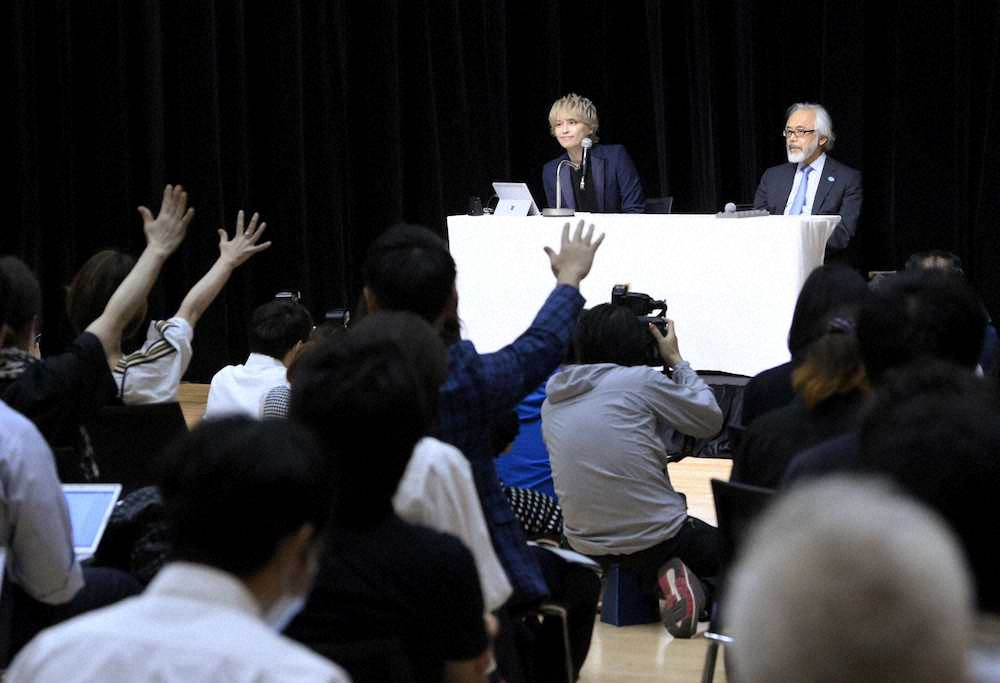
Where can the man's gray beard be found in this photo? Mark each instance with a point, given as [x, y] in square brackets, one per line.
[795, 157]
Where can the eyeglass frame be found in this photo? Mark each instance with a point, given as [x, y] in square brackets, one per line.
[796, 132]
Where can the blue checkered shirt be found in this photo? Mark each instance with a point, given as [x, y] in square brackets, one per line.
[480, 386]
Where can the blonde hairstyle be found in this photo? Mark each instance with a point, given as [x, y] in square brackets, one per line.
[833, 587]
[580, 108]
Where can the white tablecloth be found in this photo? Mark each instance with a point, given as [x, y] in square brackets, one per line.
[730, 284]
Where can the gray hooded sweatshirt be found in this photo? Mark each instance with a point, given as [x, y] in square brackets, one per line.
[608, 429]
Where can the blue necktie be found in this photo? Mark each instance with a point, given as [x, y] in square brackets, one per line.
[800, 197]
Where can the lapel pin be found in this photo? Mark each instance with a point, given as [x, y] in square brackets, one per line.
[829, 178]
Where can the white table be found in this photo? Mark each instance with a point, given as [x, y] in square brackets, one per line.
[731, 284]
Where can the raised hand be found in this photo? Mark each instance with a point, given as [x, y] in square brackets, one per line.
[243, 245]
[165, 232]
[575, 256]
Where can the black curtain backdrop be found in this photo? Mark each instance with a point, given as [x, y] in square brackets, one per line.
[336, 119]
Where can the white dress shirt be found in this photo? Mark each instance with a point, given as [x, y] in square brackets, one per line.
[34, 521]
[815, 176]
[437, 491]
[192, 624]
[240, 389]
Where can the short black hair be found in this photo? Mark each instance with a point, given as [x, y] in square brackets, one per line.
[917, 260]
[831, 290]
[610, 334]
[369, 395]
[235, 488]
[934, 428]
[921, 315]
[277, 326]
[409, 268]
[24, 294]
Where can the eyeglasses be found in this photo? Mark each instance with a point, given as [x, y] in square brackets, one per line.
[796, 132]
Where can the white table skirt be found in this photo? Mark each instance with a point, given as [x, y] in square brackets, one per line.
[730, 284]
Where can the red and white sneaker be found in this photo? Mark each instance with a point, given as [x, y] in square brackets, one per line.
[684, 596]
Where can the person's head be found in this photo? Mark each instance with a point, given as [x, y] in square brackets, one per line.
[934, 429]
[278, 327]
[847, 581]
[832, 365]
[608, 333]
[935, 259]
[409, 268]
[571, 119]
[808, 132]
[249, 498]
[92, 286]
[920, 315]
[24, 302]
[369, 395]
[831, 290]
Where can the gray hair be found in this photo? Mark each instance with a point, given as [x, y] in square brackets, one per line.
[824, 124]
[846, 580]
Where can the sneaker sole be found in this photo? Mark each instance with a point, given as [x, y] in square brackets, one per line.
[677, 623]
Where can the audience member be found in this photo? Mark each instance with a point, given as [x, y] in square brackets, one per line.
[911, 318]
[409, 268]
[609, 422]
[60, 392]
[934, 428]
[830, 388]
[370, 395]
[938, 259]
[835, 586]
[831, 290]
[152, 373]
[247, 503]
[277, 330]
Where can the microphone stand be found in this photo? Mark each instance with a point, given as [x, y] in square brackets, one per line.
[559, 210]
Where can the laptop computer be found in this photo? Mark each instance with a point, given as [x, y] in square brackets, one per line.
[514, 199]
[90, 507]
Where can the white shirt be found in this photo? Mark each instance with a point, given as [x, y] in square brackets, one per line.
[34, 522]
[241, 388]
[192, 624]
[437, 491]
[814, 179]
[152, 373]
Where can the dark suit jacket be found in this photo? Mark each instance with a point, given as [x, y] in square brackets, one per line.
[616, 182]
[839, 193]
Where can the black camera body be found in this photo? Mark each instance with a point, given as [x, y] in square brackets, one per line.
[642, 306]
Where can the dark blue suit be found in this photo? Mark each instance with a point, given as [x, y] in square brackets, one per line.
[616, 182]
[838, 193]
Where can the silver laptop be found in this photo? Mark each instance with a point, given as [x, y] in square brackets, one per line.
[514, 200]
[90, 507]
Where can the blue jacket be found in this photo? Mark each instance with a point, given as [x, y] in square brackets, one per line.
[615, 180]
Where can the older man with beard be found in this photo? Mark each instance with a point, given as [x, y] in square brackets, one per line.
[812, 183]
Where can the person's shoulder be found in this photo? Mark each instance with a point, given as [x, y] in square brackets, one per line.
[17, 429]
[840, 168]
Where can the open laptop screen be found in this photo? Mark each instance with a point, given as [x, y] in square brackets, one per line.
[90, 507]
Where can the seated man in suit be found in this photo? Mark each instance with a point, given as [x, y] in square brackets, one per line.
[812, 183]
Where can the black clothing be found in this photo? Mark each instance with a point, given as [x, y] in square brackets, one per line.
[767, 391]
[394, 580]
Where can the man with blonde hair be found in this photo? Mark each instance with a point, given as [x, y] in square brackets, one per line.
[835, 586]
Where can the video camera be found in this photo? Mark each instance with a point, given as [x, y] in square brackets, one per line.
[642, 305]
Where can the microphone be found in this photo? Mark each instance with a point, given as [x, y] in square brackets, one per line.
[586, 143]
[730, 207]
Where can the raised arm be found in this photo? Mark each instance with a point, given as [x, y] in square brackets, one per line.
[232, 253]
[163, 235]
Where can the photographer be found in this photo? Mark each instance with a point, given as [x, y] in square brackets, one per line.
[609, 422]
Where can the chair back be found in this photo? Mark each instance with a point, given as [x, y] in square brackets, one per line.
[128, 439]
[737, 506]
